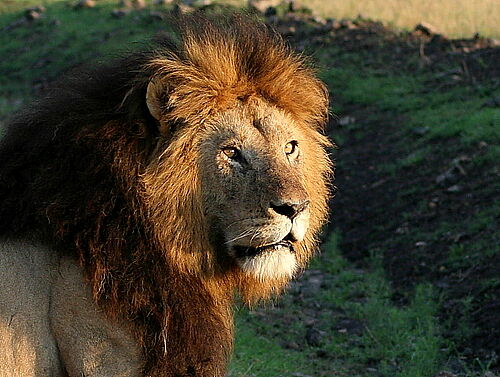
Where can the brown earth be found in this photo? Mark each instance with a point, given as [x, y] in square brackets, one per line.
[370, 204]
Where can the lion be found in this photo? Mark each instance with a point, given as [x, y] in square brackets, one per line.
[139, 199]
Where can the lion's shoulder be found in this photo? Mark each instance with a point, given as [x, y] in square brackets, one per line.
[48, 316]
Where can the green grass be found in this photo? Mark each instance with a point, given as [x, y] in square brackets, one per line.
[258, 355]
[405, 341]
[396, 341]
[459, 112]
[38, 52]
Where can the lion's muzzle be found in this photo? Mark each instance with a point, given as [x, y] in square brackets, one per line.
[290, 209]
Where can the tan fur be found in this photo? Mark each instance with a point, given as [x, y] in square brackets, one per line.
[47, 315]
[166, 226]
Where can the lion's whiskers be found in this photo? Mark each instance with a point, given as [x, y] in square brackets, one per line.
[241, 235]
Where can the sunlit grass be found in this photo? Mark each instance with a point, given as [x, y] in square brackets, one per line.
[458, 112]
[455, 18]
[451, 17]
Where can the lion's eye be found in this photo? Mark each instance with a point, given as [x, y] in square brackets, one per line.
[231, 152]
[291, 147]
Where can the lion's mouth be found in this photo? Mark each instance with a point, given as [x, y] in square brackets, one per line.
[248, 252]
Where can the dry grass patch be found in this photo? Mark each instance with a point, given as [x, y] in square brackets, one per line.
[452, 17]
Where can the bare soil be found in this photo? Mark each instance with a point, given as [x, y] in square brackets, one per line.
[369, 204]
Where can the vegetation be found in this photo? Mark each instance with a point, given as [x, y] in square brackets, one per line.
[459, 18]
[358, 321]
[453, 18]
[350, 314]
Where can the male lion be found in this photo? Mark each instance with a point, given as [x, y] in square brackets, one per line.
[137, 198]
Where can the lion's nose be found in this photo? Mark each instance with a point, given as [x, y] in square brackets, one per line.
[289, 209]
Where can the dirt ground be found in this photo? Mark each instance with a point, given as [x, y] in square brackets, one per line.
[368, 205]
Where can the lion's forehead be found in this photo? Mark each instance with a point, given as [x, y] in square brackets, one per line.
[263, 122]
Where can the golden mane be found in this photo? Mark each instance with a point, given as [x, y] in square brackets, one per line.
[217, 66]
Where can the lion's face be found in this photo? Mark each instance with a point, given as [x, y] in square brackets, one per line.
[239, 179]
[252, 170]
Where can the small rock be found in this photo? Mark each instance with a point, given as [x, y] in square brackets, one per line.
[458, 161]
[119, 13]
[346, 120]
[482, 144]
[182, 9]
[489, 374]
[459, 237]
[159, 16]
[451, 175]
[319, 20]
[32, 15]
[262, 5]
[447, 176]
[445, 374]
[313, 337]
[292, 346]
[492, 102]
[433, 203]
[442, 284]
[403, 229]
[310, 321]
[420, 131]
[454, 189]
[420, 244]
[461, 158]
[139, 4]
[84, 4]
[333, 24]
[378, 183]
[426, 29]
[347, 24]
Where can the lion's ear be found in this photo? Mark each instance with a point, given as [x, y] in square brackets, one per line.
[153, 98]
[156, 100]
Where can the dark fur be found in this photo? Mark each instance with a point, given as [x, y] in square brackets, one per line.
[69, 177]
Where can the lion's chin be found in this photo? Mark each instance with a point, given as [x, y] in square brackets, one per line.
[270, 264]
